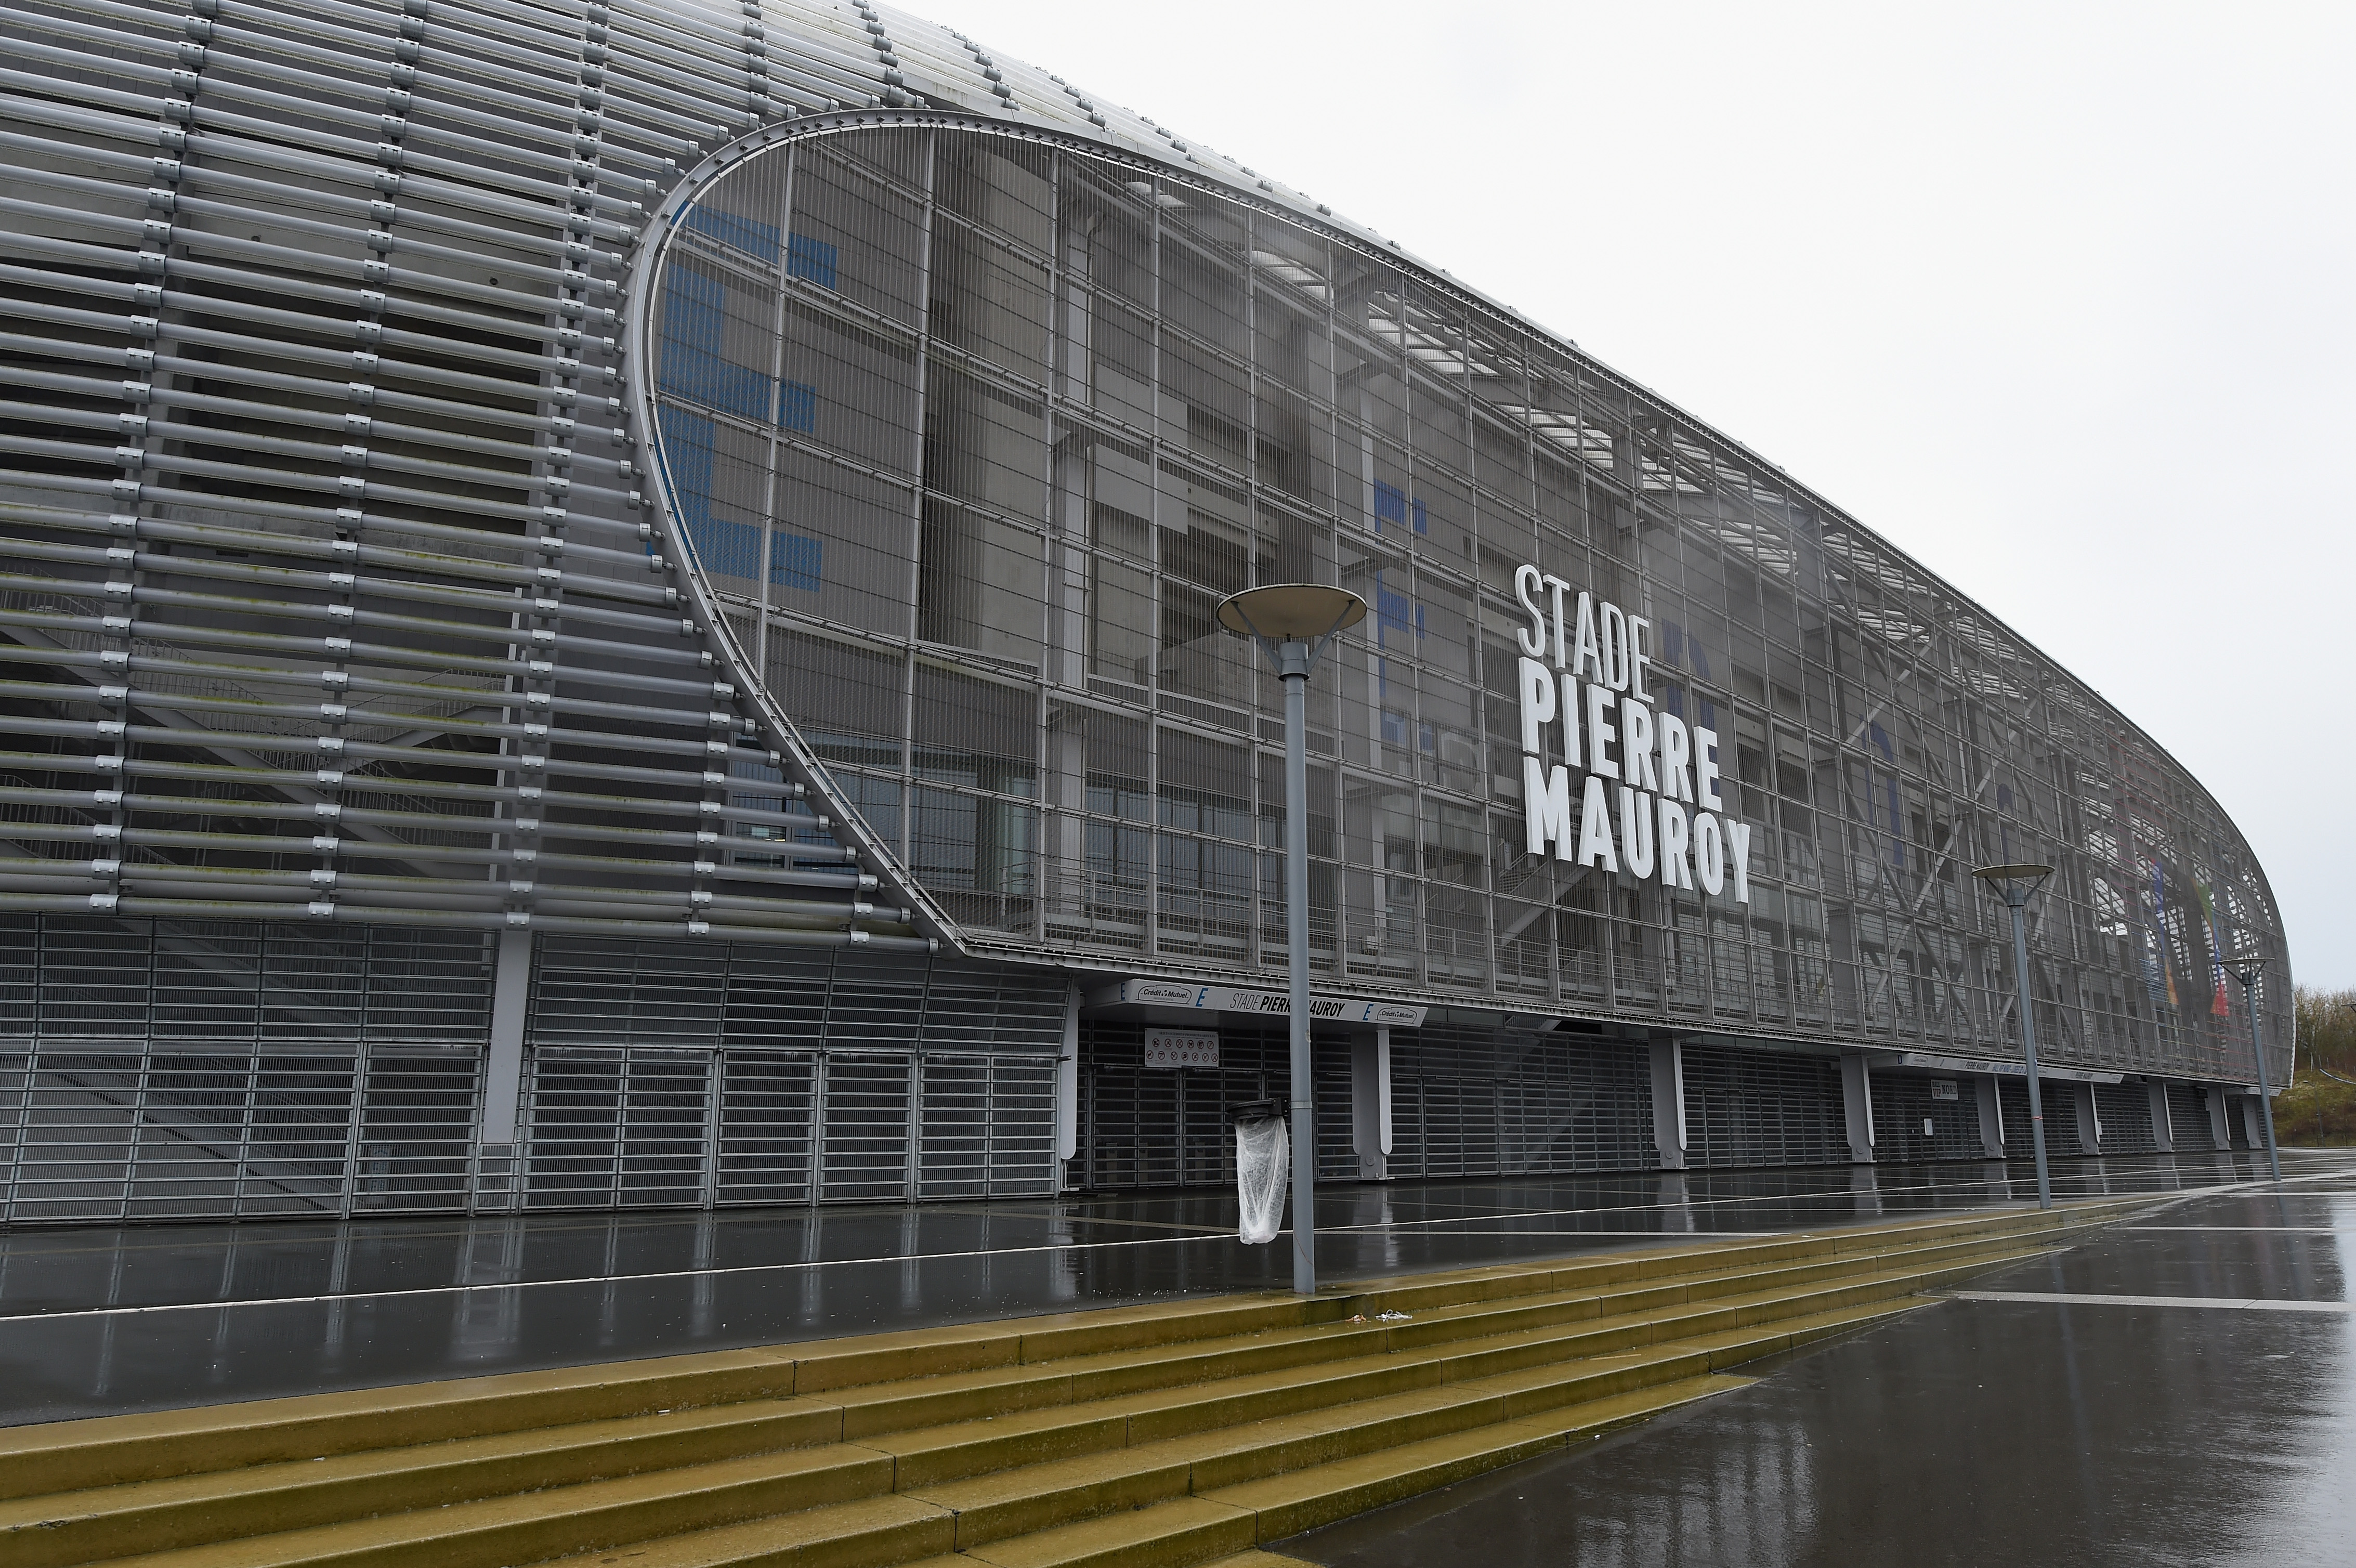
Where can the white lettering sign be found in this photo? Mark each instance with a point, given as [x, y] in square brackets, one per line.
[1661, 813]
[1209, 998]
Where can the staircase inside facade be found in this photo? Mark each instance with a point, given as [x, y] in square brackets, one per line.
[1178, 1433]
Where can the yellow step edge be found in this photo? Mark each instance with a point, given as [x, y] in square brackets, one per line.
[1285, 1505]
[60, 1529]
[533, 1527]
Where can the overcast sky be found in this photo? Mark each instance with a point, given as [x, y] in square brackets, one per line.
[2057, 297]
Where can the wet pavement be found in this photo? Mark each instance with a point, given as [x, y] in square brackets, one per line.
[101, 1320]
[2177, 1391]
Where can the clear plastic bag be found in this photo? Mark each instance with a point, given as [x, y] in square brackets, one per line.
[1263, 1166]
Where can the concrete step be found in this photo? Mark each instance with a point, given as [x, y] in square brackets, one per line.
[1053, 1499]
[1064, 1422]
[101, 1522]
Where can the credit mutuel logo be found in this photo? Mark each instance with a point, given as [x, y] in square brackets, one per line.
[1585, 709]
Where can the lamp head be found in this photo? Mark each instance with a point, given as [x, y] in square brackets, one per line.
[1279, 613]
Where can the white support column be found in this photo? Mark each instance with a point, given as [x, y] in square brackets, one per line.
[495, 1182]
[2090, 1118]
[2163, 1131]
[2253, 1121]
[1370, 1104]
[2213, 1094]
[1991, 1118]
[1669, 1103]
[503, 1073]
[1068, 1091]
[1857, 1099]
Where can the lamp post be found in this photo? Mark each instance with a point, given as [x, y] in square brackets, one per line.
[1294, 623]
[2014, 884]
[2248, 976]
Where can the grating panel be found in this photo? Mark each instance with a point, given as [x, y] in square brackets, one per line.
[863, 1128]
[766, 1128]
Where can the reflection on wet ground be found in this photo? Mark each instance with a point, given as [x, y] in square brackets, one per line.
[2089, 1429]
[98, 1320]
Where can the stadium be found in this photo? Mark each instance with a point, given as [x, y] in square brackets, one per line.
[611, 605]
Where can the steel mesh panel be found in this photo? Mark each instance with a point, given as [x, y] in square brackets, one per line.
[767, 1129]
[1022, 1126]
[616, 1128]
[590, 991]
[953, 1127]
[146, 1134]
[1750, 1108]
[864, 1153]
[416, 1135]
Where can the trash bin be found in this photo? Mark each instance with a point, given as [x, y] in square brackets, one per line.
[1263, 1166]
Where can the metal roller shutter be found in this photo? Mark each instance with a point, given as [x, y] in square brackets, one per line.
[2125, 1110]
[2061, 1119]
[1752, 1107]
[2187, 1116]
[1902, 1102]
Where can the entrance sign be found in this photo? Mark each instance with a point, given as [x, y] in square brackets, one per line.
[1997, 1067]
[1181, 1048]
[1204, 997]
[1585, 709]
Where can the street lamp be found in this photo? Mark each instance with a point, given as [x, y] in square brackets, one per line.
[1294, 623]
[2014, 884]
[2248, 976]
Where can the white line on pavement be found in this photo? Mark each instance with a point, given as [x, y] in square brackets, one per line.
[2244, 1304]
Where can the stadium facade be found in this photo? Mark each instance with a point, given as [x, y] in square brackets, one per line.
[611, 604]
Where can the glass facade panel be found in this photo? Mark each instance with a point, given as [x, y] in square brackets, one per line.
[995, 423]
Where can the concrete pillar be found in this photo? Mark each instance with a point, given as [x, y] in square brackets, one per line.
[2254, 1126]
[2090, 1121]
[2163, 1131]
[2213, 1094]
[1677, 1203]
[1991, 1118]
[1370, 1104]
[1068, 1091]
[1857, 1099]
[1669, 1103]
